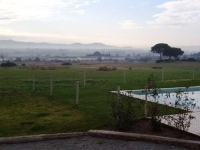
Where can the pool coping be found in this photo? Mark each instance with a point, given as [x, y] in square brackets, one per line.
[143, 137]
[125, 92]
[137, 96]
[195, 112]
[41, 137]
[104, 134]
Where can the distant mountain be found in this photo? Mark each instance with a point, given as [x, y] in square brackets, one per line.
[196, 55]
[91, 46]
[17, 44]
[190, 49]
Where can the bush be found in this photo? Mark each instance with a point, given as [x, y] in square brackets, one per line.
[105, 68]
[18, 59]
[159, 61]
[191, 59]
[163, 60]
[154, 113]
[37, 59]
[181, 120]
[122, 111]
[58, 61]
[144, 59]
[8, 64]
[156, 67]
[153, 109]
[66, 64]
[51, 68]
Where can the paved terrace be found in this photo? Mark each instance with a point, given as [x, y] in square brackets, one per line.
[195, 123]
[194, 126]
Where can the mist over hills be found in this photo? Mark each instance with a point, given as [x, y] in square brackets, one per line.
[12, 44]
[17, 44]
[190, 49]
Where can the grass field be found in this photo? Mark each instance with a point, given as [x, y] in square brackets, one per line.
[24, 112]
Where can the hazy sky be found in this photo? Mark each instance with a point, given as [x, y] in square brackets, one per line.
[137, 23]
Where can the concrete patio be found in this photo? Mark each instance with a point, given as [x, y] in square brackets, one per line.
[194, 126]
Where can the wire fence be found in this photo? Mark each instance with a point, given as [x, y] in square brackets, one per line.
[63, 85]
[55, 80]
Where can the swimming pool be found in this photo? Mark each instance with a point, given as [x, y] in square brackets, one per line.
[192, 93]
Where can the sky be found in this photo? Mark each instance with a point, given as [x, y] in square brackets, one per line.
[137, 23]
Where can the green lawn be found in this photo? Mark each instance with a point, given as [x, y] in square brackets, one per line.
[24, 112]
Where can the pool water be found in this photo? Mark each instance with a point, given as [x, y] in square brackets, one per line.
[192, 93]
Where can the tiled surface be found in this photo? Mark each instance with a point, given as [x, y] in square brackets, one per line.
[195, 123]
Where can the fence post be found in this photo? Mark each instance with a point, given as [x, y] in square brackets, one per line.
[84, 78]
[145, 105]
[163, 75]
[193, 74]
[51, 85]
[118, 93]
[33, 82]
[77, 92]
[124, 76]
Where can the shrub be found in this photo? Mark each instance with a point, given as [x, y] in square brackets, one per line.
[122, 111]
[105, 68]
[18, 59]
[154, 111]
[181, 120]
[155, 121]
[59, 61]
[8, 64]
[191, 59]
[183, 59]
[114, 68]
[164, 60]
[66, 64]
[42, 68]
[37, 59]
[156, 67]
[51, 68]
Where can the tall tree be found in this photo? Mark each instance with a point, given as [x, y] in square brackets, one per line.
[2, 57]
[99, 59]
[160, 48]
[177, 52]
[97, 53]
[173, 52]
[18, 59]
[37, 59]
